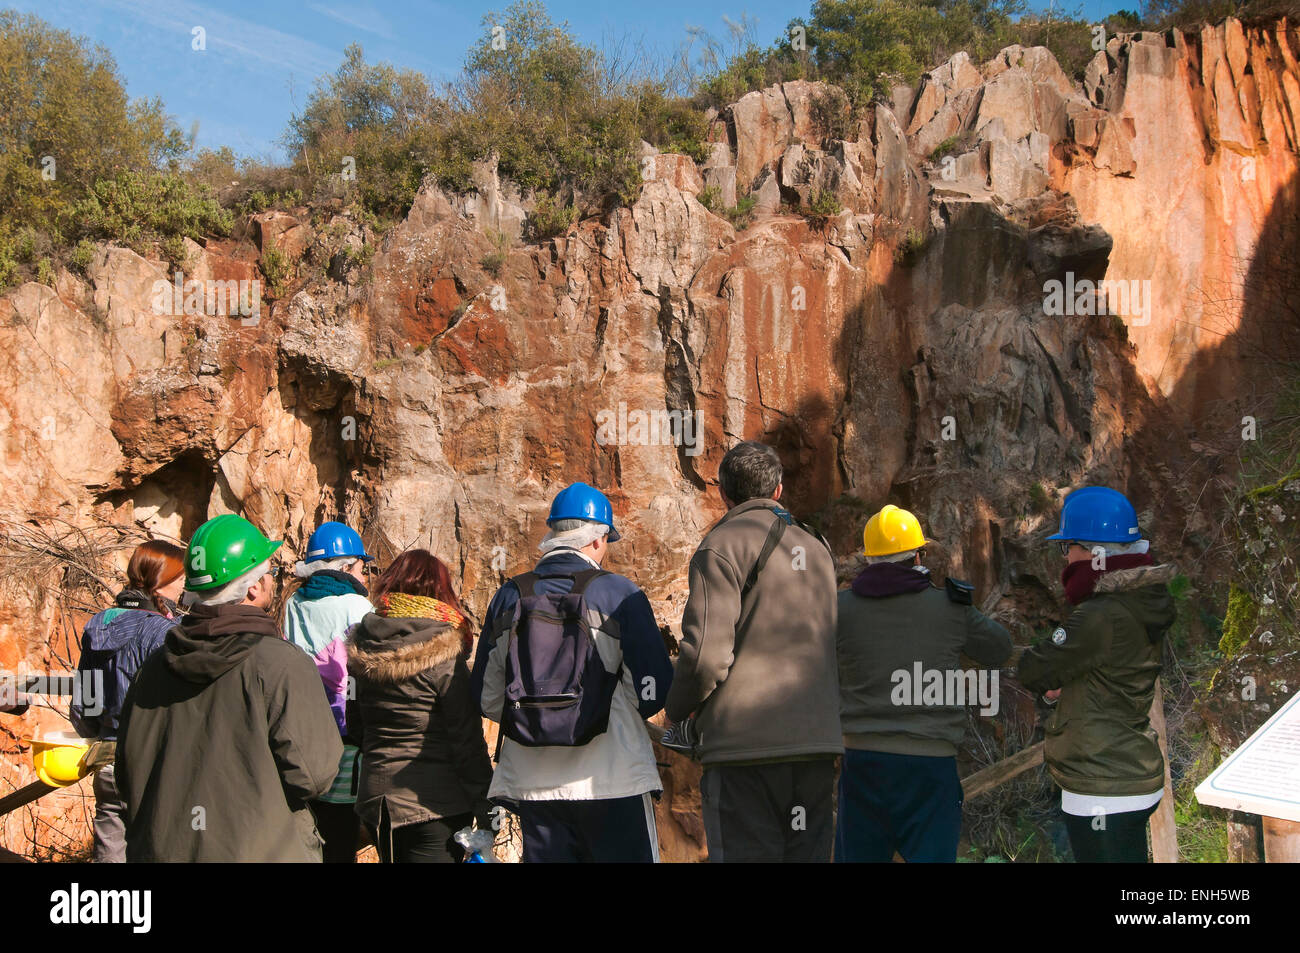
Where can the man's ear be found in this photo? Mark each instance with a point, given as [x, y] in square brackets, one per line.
[776, 495]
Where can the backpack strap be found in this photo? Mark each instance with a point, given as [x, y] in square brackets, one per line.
[525, 583]
[581, 580]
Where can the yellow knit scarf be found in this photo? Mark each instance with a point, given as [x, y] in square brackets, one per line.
[399, 605]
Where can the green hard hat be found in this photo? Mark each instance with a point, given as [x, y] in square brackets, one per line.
[223, 549]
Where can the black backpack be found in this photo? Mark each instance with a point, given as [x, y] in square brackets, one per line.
[557, 689]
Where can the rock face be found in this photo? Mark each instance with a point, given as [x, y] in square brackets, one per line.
[899, 350]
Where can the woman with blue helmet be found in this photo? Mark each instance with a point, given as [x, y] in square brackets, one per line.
[332, 598]
[1099, 669]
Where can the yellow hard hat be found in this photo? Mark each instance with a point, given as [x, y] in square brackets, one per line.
[892, 531]
[57, 758]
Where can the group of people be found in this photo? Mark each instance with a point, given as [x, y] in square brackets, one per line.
[228, 734]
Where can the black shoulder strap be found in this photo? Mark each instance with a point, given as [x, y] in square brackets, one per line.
[525, 583]
[769, 546]
[959, 591]
[581, 580]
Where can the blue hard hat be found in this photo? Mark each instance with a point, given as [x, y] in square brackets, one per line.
[581, 502]
[332, 540]
[1098, 514]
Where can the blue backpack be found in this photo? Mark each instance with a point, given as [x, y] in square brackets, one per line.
[557, 690]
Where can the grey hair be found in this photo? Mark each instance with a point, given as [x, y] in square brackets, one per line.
[750, 471]
[1118, 549]
[305, 570]
[906, 557]
[232, 592]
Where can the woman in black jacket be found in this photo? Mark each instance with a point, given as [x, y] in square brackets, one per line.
[424, 764]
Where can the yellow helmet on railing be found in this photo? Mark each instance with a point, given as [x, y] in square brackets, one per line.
[57, 758]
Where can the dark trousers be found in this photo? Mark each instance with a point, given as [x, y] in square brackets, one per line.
[340, 828]
[1110, 838]
[606, 831]
[428, 842]
[898, 802]
[769, 813]
[110, 818]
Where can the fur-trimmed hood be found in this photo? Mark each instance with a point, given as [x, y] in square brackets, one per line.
[1144, 591]
[381, 649]
[1122, 580]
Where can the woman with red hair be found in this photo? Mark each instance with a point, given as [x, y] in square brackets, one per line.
[424, 764]
[114, 645]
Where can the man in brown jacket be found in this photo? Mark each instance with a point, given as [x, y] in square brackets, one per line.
[757, 671]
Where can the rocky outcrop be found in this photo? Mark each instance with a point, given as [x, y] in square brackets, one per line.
[899, 349]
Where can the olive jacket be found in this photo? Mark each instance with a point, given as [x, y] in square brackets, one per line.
[1105, 660]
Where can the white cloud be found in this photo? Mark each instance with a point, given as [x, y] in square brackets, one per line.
[231, 34]
[358, 17]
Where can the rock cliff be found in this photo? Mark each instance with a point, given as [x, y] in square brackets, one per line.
[901, 349]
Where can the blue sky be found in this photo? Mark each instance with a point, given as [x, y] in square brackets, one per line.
[263, 56]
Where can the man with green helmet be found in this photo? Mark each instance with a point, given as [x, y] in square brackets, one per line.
[225, 734]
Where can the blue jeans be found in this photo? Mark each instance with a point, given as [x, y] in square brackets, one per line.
[897, 802]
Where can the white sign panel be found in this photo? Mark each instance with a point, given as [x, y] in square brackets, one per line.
[1263, 775]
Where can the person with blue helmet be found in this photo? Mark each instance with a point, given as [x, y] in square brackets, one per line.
[590, 801]
[333, 598]
[1099, 670]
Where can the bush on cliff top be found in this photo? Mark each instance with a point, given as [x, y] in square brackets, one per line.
[78, 159]
[559, 117]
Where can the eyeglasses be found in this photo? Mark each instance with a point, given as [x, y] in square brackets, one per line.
[370, 569]
[274, 572]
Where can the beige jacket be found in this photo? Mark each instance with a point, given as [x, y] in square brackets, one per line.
[777, 696]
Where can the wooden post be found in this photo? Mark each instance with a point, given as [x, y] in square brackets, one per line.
[24, 796]
[986, 779]
[1281, 841]
[1243, 838]
[1164, 829]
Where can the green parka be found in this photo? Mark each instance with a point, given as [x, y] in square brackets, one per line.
[1105, 660]
[224, 737]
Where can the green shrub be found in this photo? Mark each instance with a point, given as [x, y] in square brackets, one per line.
[276, 268]
[823, 206]
[493, 262]
[711, 198]
[65, 112]
[833, 115]
[45, 272]
[949, 146]
[136, 208]
[742, 213]
[173, 252]
[551, 218]
[82, 256]
[909, 250]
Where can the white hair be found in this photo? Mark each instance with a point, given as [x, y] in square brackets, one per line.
[1118, 549]
[305, 570]
[572, 534]
[232, 592]
[909, 555]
